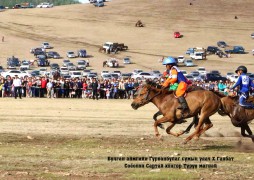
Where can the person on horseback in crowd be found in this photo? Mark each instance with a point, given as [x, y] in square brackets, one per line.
[245, 83]
[176, 76]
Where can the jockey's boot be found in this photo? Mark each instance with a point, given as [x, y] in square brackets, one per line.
[184, 105]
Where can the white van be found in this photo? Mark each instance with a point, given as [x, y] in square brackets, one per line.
[197, 55]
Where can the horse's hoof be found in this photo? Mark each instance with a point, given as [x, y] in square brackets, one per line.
[185, 142]
[157, 135]
[180, 133]
[196, 138]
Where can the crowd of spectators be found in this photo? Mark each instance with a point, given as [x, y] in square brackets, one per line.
[39, 87]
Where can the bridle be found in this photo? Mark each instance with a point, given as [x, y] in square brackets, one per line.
[147, 95]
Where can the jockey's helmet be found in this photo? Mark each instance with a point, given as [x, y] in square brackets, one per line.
[243, 68]
[169, 61]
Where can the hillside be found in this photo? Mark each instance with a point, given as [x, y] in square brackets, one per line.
[72, 27]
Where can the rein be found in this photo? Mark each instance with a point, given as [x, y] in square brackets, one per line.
[149, 99]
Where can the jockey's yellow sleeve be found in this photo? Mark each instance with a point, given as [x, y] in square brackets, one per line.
[171, 79]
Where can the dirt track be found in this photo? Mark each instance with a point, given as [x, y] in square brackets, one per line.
[53, 133]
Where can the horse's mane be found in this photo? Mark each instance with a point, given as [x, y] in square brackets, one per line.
[158, 86]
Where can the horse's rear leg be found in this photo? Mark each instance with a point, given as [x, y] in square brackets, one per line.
[198, 129]
[246, 127]
[208, 125]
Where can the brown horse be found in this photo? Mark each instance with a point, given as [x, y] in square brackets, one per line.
[201, 102]
[239, 116]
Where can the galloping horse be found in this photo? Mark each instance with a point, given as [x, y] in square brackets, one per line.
[239, 116]
[202, 102]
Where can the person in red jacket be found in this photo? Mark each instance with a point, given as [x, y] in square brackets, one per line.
[43, 86]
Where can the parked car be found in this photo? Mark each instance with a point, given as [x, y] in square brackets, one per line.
[195, 72]
[64, 70]
[71, 54]
[54, 66]
[81, 53]
[66, 76]
[17, 6]
[180, 59]
[98, 3]
[25, 65]
[156, 73]
[184, 72]
[235, 50]
[214, 77]
[104, 72]
[215, 72]
[115, 75]
[177, 35]
[137, 71]
[201, 70]
[251, 77]
[188, 63]
[229, 74]
[43, 71]
[45, 5]
[197, 77]
[13, 73]
[81, 64]
[212, 49]
[42, 62]
[53, 54]
[75, 74]
[106, 76]
[86, 72]
[91, 75]
[112, 63]
[222, 44]
[189, 77]
[252, 35]
[144, 75]
[126, 75]
[71, 66]
[46, 45]
[65, 62]
[13, 61]
[233, 78]
[119, 73]
[189, 51]
[35, 73]
[126, 60]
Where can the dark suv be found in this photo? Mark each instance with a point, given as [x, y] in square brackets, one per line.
[212, 49]
[81, 53]
[213, 77]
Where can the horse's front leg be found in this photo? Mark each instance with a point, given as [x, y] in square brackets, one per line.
[161, 120]
[172, 133]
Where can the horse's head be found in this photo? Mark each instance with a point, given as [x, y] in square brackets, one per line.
[144, 95]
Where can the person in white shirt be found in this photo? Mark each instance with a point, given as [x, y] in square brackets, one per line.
[17, 86]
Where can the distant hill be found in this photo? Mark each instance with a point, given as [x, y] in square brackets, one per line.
[10, 4]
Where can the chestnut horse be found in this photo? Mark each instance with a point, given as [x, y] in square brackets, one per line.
[239, 116]
[202, 102]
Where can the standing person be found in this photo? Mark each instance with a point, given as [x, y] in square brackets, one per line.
[176, 76]
[49, 88]
[3, 39]
[17, 86]
[244, 83]
[43, 86]
[95, 88]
